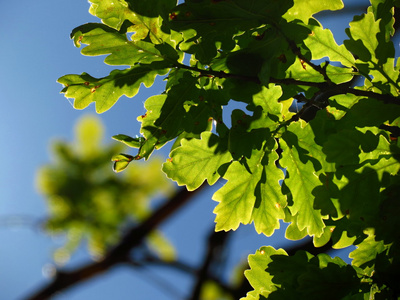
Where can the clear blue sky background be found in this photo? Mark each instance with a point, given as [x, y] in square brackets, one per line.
[35, 51]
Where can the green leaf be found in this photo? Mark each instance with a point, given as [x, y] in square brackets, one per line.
[303, 72]
[187, 108]
[304, 9]
[359, 189]
[322, 44]
[102, 40]
[168, 114]
[310, 277]
[302, 180]
[275, 275]
[311, 145]
[207, 26]
[286, 270]
[197, 160]
[260, 280]
[369, 40]
[152, 8]
[121, 161]
[242, 140]
[366, 252]
[268, 98]
[268, 208]
[238, 196]
[292, 231]
[384, 9]
[363, 33]
[324, 238]
[345, 146]
[323, 281]
[129, 141]
[145, 20]
[105, 91]
[389, 211]
[113, 13]
[252, 193]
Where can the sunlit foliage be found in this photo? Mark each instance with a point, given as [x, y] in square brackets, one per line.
[329, 169]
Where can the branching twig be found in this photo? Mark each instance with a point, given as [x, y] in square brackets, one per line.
[187, 269]
[216, 243]
[162, 283]
[318, 68]
[120, 253]
[334, 89]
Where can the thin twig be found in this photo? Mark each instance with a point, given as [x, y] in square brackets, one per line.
[334, 89]
[120, 253]
[188, 269]
[154, 278]
[216, 243]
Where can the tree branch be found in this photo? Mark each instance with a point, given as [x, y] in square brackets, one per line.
[216, 243]
[334, 89]
[146, 275]
[118, 254]
[187, 269]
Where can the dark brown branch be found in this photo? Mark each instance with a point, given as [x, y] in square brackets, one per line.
[334, 89]
[219, 74]
[322, 70]
[387, 99]
[187, 269]
[216, 243]
[147, 275]
[308, 246]
[120, 253]
[340, 89]
[175, 264]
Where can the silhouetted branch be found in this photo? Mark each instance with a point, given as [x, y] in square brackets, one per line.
[149, 276]
[216, 243]
[308, 246]
[188, 269]
[118, 254]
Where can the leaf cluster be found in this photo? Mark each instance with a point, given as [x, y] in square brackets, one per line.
[89, 202]
[329, 169]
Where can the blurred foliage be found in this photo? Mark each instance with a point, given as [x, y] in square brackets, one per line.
[88, 201]
[212, 291]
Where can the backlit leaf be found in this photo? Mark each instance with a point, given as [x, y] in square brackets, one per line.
[323, 44]
[252, 193]
[301, 182]
[275, 275]
[167, 114]
[260, 280]
[304, 9]
[105, 91]
[209, 25]
[197, 160]
[112, 12]
[268, 208]
[238, 196]
[121, 50]
[144, 21]
[121, 161]
[129, 141]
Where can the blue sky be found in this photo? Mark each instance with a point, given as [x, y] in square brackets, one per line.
[35, 51]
